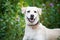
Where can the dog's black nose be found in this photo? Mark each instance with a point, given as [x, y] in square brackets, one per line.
[32, 16]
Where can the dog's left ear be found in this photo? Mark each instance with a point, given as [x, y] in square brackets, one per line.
[23, 9]
[40, 11]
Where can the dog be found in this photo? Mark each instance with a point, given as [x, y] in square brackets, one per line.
[34, 30]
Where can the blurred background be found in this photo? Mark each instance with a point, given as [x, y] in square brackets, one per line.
[12, 22]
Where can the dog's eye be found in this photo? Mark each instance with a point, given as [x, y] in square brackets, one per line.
[28, 11]
[34, 11]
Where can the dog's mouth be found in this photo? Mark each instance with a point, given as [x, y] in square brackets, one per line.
[31, 19]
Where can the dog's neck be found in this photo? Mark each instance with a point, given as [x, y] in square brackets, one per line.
[35, 26]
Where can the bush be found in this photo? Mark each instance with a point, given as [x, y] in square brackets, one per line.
[10, 20]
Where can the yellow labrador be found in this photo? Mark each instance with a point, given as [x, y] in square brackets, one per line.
[34, 30]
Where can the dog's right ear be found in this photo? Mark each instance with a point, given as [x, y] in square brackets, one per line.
[23, 9]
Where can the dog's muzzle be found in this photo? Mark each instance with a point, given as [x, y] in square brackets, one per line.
[31, 19]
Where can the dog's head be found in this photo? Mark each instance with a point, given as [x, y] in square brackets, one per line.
[31, 14]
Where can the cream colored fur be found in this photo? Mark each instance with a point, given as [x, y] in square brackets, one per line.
[39, 31]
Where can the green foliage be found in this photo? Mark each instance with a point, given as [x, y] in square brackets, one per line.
[12, 20]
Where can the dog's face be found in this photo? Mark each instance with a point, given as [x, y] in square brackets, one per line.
[31, 14]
